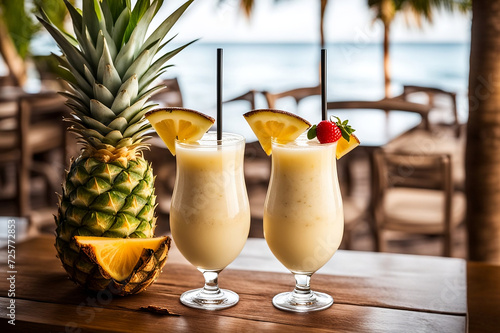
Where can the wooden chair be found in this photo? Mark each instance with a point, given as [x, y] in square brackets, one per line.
[171, 96]
[33, 127]
[298, 94]
[414, 194]
[432, 93]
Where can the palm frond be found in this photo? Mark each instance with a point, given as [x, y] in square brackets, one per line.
[415, 10]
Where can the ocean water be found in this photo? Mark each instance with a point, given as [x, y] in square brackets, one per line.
[354, 71]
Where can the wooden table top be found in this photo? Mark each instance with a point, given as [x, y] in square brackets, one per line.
[373, 292]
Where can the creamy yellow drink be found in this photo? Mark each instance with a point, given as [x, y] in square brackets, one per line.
[303, 215]
[210, 214]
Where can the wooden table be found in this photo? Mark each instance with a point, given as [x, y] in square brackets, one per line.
[373, 292]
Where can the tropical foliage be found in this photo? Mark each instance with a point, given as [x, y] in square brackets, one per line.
[414, 10]
[248, 5]
[18, 27]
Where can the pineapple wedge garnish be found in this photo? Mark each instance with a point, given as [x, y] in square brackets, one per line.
[344, 146]
[178, 123]
[281, 126]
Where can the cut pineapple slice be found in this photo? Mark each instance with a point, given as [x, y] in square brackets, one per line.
[118, 256]
[344, 146]
[181, 124]
[279, 125]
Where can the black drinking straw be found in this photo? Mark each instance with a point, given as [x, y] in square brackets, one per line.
[219, 94]
[323, 84]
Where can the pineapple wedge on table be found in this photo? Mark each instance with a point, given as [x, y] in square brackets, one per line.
[109, 190]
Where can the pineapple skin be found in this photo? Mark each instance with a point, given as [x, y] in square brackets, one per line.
[114, 199]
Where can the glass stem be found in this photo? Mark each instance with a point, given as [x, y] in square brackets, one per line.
[211, 282]
[302, 291]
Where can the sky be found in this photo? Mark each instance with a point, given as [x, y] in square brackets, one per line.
[298, 21]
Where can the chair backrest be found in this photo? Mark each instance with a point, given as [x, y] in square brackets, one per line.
[431, 92]
[171, 96]
[16, 117]
[248, 96]
[428, 171]
[298, 94]
[9, 146]
[34, 126]
[386, 104]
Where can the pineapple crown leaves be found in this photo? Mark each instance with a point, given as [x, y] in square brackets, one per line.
[111, 64]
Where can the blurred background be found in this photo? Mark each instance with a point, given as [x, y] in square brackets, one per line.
[406, 62]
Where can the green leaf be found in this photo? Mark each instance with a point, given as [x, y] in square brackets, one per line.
[105, 61]
[158, 6]
[73, 55]
[76, 17]
[116, 7]
[19, 24]
[119, 124]
[96, 125]
[113, 137]
[108, 16]
[311, 133]
[69, 37]
[121, 102]
[101, 112]
[102, 94]
[90, 19]
[345, 135]
[345, 129]
[140, 65]
[145, 84]
[130, 112]
[132, 129]
[138, 116]
[166, 25]
[139, 9]
[120, 27]
[111, 79]
[131, 86]
[155, 67]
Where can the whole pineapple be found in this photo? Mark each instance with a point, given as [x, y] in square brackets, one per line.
[109, 190]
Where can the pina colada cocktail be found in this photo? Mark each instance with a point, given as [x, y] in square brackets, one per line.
[303, 216]
[210, 214]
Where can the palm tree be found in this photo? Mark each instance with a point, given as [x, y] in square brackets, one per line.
[483, 149]
[248, 5]
[17, 28]
[386, 10]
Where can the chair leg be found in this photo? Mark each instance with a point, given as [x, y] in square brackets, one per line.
[380, 245]
[347, 239]
[447, 244]
[23, 190]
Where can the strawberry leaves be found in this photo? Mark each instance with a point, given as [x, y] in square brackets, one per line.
[345, 128]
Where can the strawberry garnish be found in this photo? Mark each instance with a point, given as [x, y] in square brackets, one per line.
[327, 132]
[330, 130]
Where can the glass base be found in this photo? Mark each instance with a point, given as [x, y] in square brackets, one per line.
[199, 299]
[313, 301]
